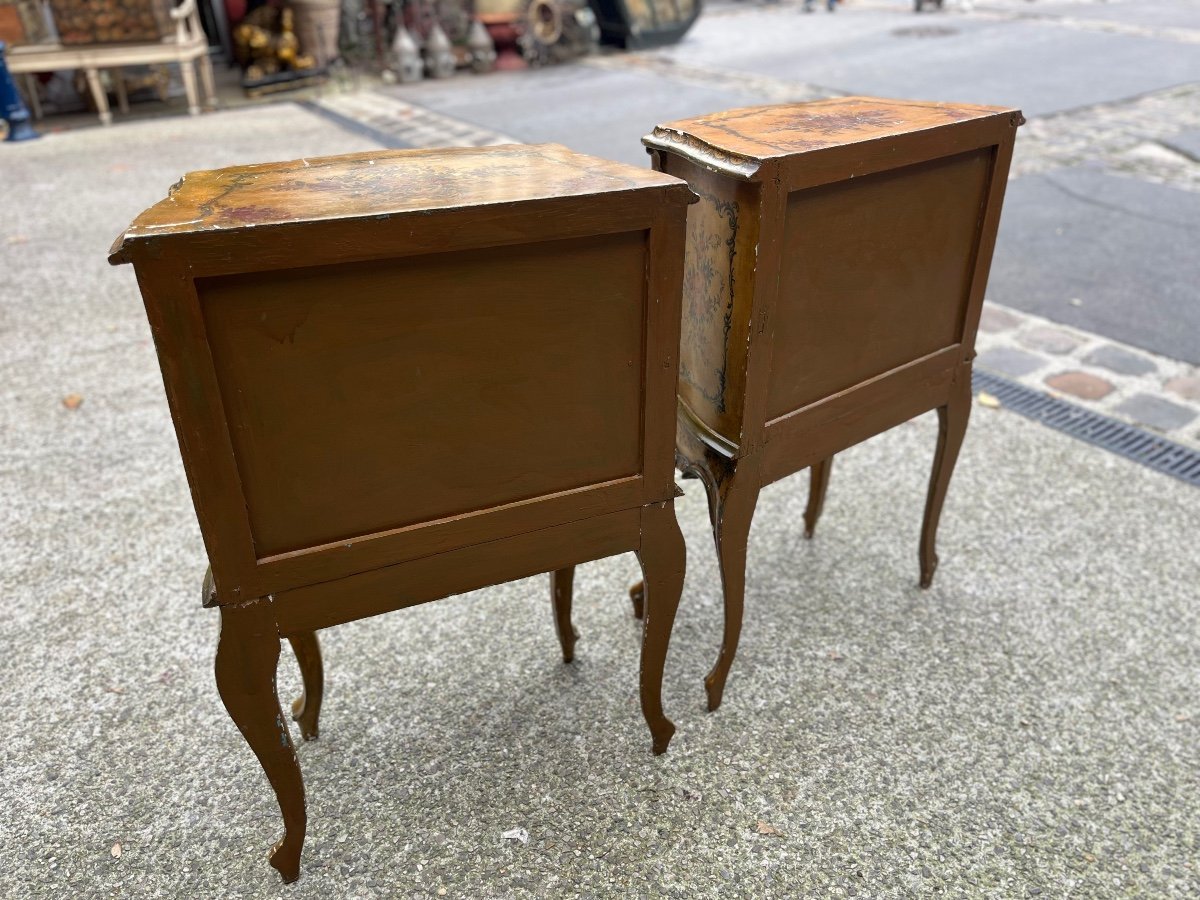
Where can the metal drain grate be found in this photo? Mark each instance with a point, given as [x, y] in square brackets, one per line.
[1125, 440]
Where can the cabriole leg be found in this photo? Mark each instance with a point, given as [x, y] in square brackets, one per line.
[732, 498]
[952, 427]
[246, 658]
[662, 556]
[637, 592]
[637, 596]
[306, 709]
[818, 483]
[562, 588]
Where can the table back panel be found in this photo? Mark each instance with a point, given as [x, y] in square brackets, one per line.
[361, 397]
[876, 273]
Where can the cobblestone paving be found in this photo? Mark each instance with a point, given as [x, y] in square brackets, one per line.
[1095, 372]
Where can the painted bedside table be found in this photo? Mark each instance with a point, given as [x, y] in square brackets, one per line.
[835, 271]
[398, 376]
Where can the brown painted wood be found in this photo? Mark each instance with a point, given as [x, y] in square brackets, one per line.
[314, 364]
[818, 485]
[562, 591]
[400, 376]
[247, 654]
[306, 709]
[952, 428]
[896, 250]
[834, 280]
[662, 556]
[470, 568]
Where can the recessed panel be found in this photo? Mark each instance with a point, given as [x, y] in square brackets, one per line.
[370, 396]
[875, 274]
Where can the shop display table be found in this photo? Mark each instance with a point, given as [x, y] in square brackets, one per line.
[397, 376]
[836, 264]
[188, 47]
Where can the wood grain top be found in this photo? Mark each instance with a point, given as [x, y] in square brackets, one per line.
[740, 140]
[381, 184]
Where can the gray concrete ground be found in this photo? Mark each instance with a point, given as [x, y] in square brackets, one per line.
[1026, 727]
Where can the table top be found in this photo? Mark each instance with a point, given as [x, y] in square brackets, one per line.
[382, 184]
[744, 138]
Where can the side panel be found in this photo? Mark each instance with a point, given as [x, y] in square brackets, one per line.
[365, 397]
[876, 273]
[718, 287]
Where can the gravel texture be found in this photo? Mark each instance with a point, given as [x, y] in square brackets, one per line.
[1029, 725]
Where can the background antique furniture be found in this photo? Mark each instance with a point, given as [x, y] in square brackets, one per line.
[397, 376]
[835, 271]
[185, 45]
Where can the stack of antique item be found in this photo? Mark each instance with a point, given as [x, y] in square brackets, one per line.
[825, 286]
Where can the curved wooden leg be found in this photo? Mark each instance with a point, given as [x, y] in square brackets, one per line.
[952, 426]
[306, 709]
[562, 589]
[246, 658]
[818, 483]
[662, 556]
[735, 495]
[637, 596]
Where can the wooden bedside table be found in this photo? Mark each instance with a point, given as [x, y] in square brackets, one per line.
[836, 264]
[397, 376]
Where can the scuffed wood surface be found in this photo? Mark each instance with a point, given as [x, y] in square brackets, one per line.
[379, 184]
[739, 140]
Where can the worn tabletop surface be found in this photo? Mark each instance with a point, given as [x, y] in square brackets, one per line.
[381, 183]
[766, 132]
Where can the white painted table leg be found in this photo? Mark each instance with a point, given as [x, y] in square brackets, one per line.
[188, 71]
[98, 95]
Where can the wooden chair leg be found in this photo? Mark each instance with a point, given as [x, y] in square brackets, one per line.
[246, 659]
[662, 556]
[118, 77]
[637, 596]
[187, 71]
[35, 99]
[306, 709]
[818, 483]
[99, 96]
[952, 427]
[562, 588]
[207, 82]
[733, 496]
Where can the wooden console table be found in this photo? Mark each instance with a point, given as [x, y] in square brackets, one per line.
[836, 264]
[397, 376]
[188, 47]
